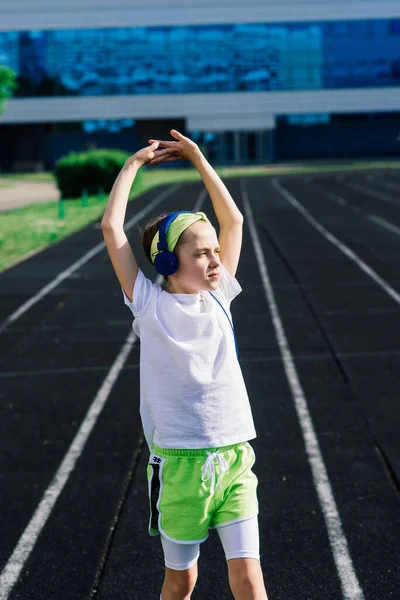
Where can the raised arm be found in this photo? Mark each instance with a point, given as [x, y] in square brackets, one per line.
[112, 224]
[229, 217]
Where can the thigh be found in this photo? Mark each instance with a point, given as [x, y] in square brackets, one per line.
[179, 557]
[179, 501]
[237, 500]
[241, 540]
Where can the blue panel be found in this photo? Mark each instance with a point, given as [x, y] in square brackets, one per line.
[199, 59]
[337, 139]
[362, 54]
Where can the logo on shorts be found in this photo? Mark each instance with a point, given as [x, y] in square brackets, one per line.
[155, 460]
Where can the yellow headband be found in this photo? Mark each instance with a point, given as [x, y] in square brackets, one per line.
[175, 229]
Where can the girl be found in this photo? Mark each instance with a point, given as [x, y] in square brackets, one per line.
[194, 405]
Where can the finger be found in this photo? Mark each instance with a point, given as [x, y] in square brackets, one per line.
[172, 158]
[177, 135]
[160, 159]
[155, 145]
[171, 149]
[157, 161]
[169, 144]
[161, 151]
[162, 155]
[152, 141]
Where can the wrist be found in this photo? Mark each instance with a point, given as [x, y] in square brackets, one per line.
[132, 165]
[198, 158]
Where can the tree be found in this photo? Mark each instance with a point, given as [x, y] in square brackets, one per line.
[8, 83]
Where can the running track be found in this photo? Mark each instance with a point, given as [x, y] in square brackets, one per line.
[318, 325]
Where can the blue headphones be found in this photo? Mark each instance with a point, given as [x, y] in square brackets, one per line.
[166, 262]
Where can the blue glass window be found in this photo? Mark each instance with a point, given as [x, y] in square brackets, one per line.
[200, 59]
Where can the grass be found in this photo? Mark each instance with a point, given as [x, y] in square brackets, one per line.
[29, 176]
[296, 169]
[34, 227]
[27, 230]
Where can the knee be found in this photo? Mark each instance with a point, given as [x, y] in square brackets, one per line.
[179, 584]
[243, 586]
[246, 579]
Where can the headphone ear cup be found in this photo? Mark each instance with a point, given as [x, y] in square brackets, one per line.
[166, 263]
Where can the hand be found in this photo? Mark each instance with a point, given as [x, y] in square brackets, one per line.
[145, 155]
[186, 149]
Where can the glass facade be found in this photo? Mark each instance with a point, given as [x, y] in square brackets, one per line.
[198, 59]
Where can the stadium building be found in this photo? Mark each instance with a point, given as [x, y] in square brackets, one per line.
[254, 82]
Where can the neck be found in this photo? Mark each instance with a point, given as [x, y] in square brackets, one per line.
[173, 288]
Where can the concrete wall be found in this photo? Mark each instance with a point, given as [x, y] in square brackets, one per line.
[49, 14]
[205, 112]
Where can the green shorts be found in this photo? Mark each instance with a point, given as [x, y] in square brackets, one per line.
[191, 491]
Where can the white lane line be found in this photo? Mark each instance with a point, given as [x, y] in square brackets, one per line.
[350, 586]
[61, 371]
[380, 183]
[15, 564]
[27, 541]
[360, 188]
[200, 200]
[384, 224]
[373, 218]
[336, 198]
[84, 259]
[331, 238]
[390, 186]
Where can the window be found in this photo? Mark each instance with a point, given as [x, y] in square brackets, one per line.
[199, 59]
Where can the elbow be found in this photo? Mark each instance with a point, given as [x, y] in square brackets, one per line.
[107, 225]
[232, 222]
[238, 220]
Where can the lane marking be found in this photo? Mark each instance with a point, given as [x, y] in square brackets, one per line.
[11, 572]
[374, 218]
[342, 247]
[380, 183]
[61, 371]
[84, 259]
[357, 187]
[20, 555]
[390, 186]
[349, 583]
[384, 224]
[336, 198]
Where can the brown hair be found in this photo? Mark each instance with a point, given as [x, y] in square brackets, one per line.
[149, 231]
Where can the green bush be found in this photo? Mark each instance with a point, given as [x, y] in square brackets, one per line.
[89, 170]
[8, 83]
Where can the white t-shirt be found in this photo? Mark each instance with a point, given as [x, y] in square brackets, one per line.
[192, 392]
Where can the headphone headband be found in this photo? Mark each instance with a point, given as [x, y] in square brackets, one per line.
[166, 262]
[162, 232]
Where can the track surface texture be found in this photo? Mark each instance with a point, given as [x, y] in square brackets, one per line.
[327, 334]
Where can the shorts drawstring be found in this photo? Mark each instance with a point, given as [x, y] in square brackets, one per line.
[210, 467]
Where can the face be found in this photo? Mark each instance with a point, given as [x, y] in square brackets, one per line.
[198, 256]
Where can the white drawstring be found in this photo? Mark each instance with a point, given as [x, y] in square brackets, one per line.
[210, 467]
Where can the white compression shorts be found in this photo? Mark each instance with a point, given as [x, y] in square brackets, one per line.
[239, 540]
